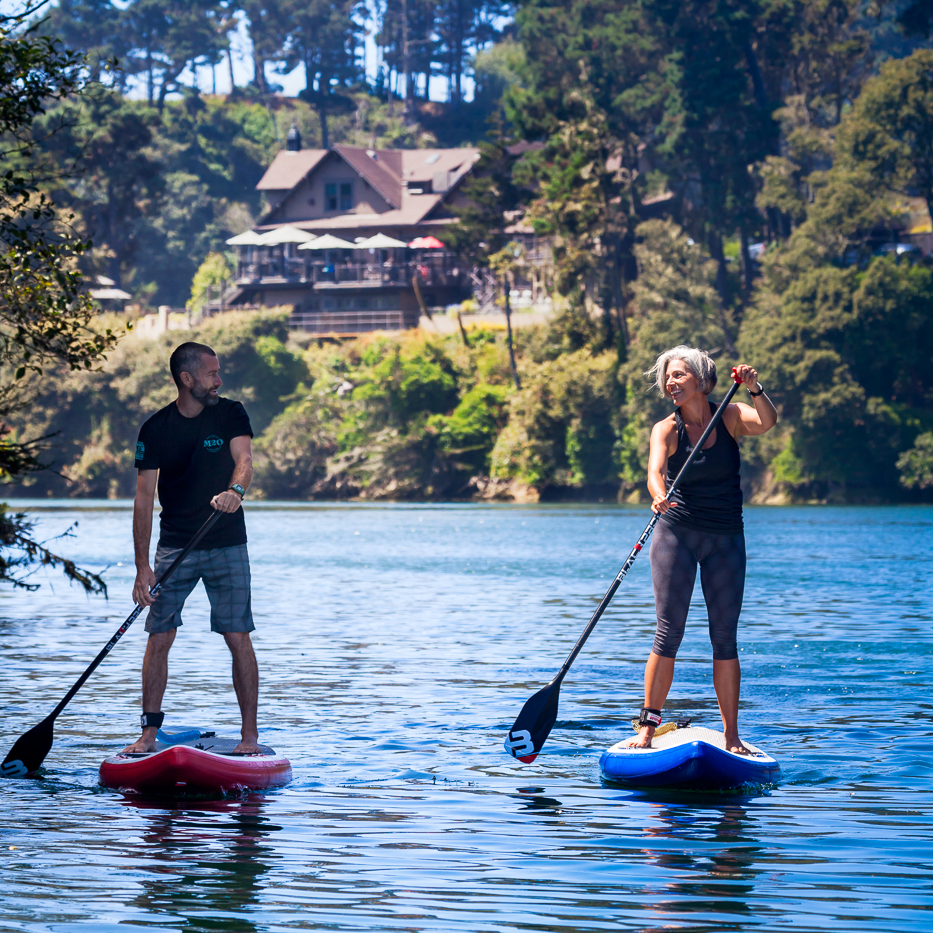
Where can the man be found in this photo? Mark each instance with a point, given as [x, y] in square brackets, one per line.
[198, 449]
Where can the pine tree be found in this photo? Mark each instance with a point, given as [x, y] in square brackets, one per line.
[325, 37]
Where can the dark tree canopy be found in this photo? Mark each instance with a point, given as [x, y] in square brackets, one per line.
[45, 320]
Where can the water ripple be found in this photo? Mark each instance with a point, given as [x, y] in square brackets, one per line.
[396, 644]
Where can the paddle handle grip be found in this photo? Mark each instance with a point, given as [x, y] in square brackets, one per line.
[646, 534]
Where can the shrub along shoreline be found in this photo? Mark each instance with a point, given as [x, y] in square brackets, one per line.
[414, 416]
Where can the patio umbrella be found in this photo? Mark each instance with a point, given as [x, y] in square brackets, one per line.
[426, 242]
[109, 294]
[250, 238]
[379, 241]
[286, 234]
[328, 242]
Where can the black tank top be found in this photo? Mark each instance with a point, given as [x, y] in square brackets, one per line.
[709, 497]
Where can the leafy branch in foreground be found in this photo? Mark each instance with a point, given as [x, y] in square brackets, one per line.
[15, 531]
[45, 319]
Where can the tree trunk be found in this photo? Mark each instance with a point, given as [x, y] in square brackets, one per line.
[506, 292]
[115, 265]
[463, 333]
[722, 287]
[457, 55]
[230, 66]
[748, 272]
[758, 84]
[761, 102]
[322, 116]
[407, 113]
[169, 77]
[259, 72]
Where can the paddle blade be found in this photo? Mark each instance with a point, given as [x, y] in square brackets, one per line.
[29, 751]
[534, 724]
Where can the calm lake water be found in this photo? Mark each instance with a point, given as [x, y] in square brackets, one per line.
[396, 645]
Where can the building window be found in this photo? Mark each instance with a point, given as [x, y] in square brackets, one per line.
[338, 196]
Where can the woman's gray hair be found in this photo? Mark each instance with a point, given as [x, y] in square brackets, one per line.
[699, 362]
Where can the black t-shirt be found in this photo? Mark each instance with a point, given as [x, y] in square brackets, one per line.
[194, 462]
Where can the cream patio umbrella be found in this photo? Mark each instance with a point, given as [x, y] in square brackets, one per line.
[328, 241]
[286, 234]
[250, 238]
[379, 241]
[109, 294]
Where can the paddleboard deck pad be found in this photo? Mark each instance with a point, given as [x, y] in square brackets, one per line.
[195, 762]
[695, 758]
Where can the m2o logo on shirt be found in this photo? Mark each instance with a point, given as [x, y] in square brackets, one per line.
[213, 443]
[140, 450]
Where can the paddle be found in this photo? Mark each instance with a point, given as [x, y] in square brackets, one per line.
[538, 715]
[30, 749]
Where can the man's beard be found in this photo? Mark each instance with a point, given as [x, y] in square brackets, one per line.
[204, 397]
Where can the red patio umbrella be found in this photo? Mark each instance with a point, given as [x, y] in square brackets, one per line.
[426, 242]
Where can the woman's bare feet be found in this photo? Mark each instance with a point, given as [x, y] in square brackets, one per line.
[643, 739]
[734, 745]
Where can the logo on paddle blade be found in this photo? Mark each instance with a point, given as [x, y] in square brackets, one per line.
[12, 769]
[519, 744]
[213, 443]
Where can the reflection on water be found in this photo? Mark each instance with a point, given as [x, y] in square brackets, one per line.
[725, 866]
[207, 858]
[396, 644]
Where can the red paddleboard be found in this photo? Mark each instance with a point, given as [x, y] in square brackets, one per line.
[195, 763]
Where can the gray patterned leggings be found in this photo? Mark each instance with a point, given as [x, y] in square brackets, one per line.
[675, 553]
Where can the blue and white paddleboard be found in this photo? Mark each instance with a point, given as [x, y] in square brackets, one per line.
[694, 757]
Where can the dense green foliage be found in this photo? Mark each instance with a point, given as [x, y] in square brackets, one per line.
[766, 121]
[44, 318]
[380, 417]
[98, 414]
[668, 139]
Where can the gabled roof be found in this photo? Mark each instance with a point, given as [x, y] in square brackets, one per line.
[424, 164]
[289, 168]
[388, 171]
[380, 169]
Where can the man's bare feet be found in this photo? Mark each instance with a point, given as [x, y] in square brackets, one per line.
[643, 739]
[141, 746]
[248, 747]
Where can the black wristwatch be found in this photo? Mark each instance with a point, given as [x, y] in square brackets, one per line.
[756, 394]
[238, 489]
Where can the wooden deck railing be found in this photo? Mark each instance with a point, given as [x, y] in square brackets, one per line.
[347, 322]
[433, 271]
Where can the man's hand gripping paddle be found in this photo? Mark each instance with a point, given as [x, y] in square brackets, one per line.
[538, 715]
[30, 749]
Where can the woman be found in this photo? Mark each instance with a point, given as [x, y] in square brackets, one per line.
[700, 524]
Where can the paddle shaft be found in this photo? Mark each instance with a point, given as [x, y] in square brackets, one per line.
[121, 631]
[645, 535]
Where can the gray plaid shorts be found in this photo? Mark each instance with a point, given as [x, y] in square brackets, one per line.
[225, 572]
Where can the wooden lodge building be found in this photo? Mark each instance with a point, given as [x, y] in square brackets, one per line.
[353, 238]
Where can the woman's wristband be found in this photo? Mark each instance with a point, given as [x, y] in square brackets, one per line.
[760, 391]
